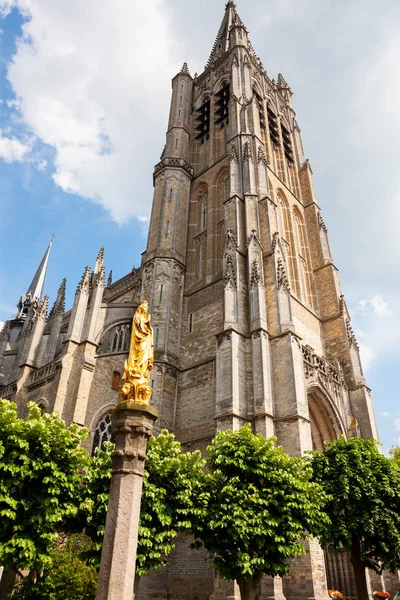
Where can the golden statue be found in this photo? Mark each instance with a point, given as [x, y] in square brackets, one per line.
[135, 385]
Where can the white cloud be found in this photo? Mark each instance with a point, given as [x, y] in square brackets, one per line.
[377, 325]
[97, 94]
[11, 149]
[376, 305]
[385, 414]
[1, 325]
[397, 424]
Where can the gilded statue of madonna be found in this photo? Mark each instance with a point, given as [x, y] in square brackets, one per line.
[135, 385]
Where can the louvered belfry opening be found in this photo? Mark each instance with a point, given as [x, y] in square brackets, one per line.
[222, 105]
[202, 127]
[287, 144]
[273, 127]
[261, 111]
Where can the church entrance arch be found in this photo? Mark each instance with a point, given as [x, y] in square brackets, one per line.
[326, 426]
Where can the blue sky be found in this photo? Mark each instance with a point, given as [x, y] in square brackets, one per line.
[84, 100]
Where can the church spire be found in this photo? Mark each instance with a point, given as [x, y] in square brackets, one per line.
[221, 44]
[35, 290]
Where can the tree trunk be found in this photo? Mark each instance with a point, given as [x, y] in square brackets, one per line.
[136, 588]
[359, 574]
[248, 590]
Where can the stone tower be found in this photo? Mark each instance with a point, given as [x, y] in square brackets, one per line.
[250, 322]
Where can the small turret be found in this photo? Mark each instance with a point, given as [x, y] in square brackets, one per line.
[31, 334]
[79, 309]
[53, 326]
[96, 296]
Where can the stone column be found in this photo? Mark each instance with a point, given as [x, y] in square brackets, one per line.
[132, 425]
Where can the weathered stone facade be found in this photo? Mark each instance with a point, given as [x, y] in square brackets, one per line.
[250, 324]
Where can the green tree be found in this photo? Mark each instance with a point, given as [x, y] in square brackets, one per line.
[364, 505]
[395, 455]
[171, 485]
[66, 575]
[41, 464]
[257, 503]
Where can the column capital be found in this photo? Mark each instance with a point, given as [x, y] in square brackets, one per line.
[132, 426]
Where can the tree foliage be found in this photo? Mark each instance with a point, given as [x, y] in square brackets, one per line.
[257, 504]
[395, 455]
[65, 575]
[41, 464]
[171, 484]
[364, 505]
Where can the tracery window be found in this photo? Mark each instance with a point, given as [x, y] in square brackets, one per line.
[286, 231]
[306, 276]
[115, 339]
[102, 433]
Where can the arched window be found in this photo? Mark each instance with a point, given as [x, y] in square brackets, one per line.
[102, 433]
[306, 276]
[115, 339]
[286, 232]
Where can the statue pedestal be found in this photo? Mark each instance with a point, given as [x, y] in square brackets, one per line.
[132, 425]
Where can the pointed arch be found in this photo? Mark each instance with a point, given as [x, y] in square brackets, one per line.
[285, 227]
[326, 422]
[100, 427]
[306, 278]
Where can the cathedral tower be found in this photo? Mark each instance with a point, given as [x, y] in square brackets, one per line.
[250, 322]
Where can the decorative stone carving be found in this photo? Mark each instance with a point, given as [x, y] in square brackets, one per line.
[44, 374]
[84, 284]
[256, 276]
[261, 158]
[275, 239]
[229, 273]
[321, 223]
[247, 155]
[320, 370]
[233, 154]
[178, 275]
[282, 278]
[224, 337]
[351, 336]
[254, 240]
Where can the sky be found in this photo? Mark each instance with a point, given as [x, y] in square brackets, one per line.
[84, 101]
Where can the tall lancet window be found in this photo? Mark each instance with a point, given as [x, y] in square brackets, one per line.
[303, 255]
[286, 231]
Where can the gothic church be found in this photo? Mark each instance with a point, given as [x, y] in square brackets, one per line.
[250, 324]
